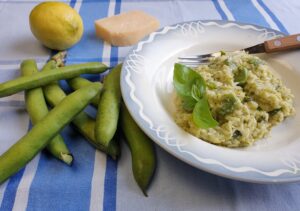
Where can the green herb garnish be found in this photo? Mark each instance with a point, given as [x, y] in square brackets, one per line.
[191, 88]
[188, 103]
[184, 79]
[247, 99]
[198, 89]
[236, 134]
[275, 111]
[202, 116]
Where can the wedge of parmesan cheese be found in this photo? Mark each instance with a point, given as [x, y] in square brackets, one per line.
[127, 28]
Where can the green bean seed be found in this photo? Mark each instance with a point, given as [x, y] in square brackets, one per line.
[83, 122]
[109, 107]
[142, 150]
[37, 109]
[39, 136]
[43, 78]
[241, 75]
[78, 82]
[228, 105]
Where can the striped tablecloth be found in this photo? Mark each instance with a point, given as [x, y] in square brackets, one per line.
[95, 182]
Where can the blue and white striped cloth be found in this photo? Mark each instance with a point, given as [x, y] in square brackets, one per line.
[95, 182]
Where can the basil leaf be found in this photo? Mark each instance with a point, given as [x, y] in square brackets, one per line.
[183, 79]
[202, 116]
[188, 103]
[191, 87]
[198, 89]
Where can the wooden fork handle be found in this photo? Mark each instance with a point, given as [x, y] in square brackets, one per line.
[283, 43]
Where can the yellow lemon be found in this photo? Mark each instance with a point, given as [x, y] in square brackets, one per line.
[57, 25]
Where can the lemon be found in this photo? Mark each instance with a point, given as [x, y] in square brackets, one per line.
[57, 25]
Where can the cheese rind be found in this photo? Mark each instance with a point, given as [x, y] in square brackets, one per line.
[127, 28]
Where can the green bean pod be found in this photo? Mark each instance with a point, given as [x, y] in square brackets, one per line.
[86, 126]
[83, 122]
[142, 150]
[43, 78]
[41, 134]
[37, 109]
[78, 82]
[109, 107]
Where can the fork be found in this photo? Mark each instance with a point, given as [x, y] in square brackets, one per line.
[269, 46]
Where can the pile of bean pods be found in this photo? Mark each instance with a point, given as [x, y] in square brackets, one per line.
[42, 89]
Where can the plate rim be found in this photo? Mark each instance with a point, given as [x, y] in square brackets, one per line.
[175, 152]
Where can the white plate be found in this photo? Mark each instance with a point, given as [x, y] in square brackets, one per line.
[147, 89]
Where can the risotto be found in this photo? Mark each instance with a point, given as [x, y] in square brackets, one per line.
[244, 97]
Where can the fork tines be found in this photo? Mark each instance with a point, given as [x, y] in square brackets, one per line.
[190, 61]
[196, 57]
[196, 60]
[193, 64]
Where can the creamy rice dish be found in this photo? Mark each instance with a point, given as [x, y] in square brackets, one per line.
[245, 98]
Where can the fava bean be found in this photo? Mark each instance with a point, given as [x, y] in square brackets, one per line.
[109, 107]
[43, 78]
[78, 82]
[142, 150]
[37, 110]
[40, 135]
[83, 122]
